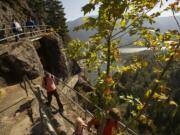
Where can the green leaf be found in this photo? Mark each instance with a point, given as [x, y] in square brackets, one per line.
[87, 8]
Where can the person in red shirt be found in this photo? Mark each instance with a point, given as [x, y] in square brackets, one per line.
[109, 126]
[94, 121]
[49, 84]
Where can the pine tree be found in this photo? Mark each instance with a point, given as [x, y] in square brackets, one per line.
[56, 18]
[38, 7]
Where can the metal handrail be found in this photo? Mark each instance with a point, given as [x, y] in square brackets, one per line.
[100, 109]
[83, 97]
[45, 118]
[79, 106]
[97, 107]
[5, 109]
[24, 33]
[35, 26]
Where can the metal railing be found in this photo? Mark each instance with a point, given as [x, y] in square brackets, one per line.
[25, 27]
[46, 119]
[27, 31]
[39, 29]
[129, 130]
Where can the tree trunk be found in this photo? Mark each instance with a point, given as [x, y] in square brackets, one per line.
[108, 56]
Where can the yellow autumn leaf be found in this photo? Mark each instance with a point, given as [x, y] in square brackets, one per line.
[159, 96]
[167, 59]
[143, 119]
[140, 107]
[155, 95]
[148, 93]
[157, 81]
[130, 97]
[173, 103]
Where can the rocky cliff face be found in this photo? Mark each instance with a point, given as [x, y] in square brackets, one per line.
[32, 58]
[19, 59]
[26, 57]
[52, 56]
[17, 9]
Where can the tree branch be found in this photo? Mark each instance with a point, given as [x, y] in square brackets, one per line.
[154, 89]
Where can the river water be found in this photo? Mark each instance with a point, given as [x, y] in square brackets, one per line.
[132, 50]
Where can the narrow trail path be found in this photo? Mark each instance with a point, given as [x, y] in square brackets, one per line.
[12, 108]
[15, 120]
[67, 120]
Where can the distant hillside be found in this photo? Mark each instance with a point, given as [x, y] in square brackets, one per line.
[164, 23]
[83, 35]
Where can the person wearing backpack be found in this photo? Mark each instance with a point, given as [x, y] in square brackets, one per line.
[16, 28]
[49, 84]
[30, 25]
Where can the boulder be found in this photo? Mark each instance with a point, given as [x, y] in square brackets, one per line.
[17, 60]
[33, 58]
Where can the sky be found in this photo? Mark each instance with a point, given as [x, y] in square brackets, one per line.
[72, 8]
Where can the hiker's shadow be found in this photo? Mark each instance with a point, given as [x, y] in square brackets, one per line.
[24, 106]
[67, 119]
[28, 108]
[62, 115]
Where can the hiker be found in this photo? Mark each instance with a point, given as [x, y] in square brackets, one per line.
[30, 25]
[17, 29]
[49, 84]
[80, 126]
[109, 126]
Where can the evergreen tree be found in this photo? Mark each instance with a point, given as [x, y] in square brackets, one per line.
[38, 7]
[56, 18]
